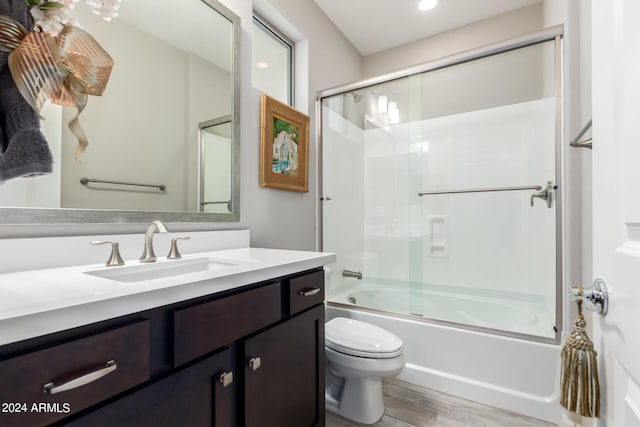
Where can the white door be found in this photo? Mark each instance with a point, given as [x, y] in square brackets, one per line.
[616, 204]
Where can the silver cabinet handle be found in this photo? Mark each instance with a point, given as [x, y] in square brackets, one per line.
[226, 379]
[308, 292]
[254, 363]
[51, 388]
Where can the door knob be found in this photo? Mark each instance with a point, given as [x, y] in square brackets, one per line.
[597, 296]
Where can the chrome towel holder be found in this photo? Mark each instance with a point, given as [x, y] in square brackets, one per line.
[544, 193]
[584, 143]
[85, 181]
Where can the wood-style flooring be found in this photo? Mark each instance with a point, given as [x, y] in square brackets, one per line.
[407, 405]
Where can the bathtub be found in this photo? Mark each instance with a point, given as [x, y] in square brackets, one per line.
[515, 374]
[511, 313]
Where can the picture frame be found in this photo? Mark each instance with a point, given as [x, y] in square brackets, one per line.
[284, 147]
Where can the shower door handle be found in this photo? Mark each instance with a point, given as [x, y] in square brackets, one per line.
[545, 194]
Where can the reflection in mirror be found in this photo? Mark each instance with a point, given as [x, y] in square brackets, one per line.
[174, 68]
[216, 169]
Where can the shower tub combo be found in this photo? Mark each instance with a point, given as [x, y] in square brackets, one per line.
[441, 196]
[495, 369]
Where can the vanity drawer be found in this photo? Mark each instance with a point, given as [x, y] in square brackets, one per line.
[305, 291]
[206, 327]
[58, 381]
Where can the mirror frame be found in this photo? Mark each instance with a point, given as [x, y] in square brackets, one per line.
[13, 215]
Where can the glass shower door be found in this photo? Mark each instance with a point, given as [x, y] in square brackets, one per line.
[491, 254]
[367, 196]
[435, 186]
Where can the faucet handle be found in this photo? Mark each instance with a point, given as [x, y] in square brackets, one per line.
[114, 258]
[174, 253]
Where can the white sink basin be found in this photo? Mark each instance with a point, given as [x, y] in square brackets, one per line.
[168, 268]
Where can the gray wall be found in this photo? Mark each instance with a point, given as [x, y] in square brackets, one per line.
[277, 218]
[501, 27]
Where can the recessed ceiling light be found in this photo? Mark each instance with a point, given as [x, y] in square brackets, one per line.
[262, 65]
[427, 4]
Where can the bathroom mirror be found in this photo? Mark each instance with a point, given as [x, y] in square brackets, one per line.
[175, 67]
[215, 168]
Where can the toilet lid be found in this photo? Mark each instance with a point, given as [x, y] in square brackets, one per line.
[361, 339]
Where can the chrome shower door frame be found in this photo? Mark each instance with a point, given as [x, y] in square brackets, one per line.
[554, 34]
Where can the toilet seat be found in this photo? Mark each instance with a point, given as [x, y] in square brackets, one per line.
[356, 338]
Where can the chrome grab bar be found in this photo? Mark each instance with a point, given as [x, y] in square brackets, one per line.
[84, 181]
[480, 190]
[349, 273]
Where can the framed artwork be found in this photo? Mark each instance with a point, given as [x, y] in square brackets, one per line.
[284, 147]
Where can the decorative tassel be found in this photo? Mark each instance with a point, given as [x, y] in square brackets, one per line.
[580, 386]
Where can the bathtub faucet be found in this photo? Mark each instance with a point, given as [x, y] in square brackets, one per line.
[349, 273]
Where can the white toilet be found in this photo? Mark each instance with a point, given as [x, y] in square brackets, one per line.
[359, 355]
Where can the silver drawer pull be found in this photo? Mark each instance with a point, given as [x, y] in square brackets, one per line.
[254, 363]
[308, 292]
[51, 388]
[226, 379]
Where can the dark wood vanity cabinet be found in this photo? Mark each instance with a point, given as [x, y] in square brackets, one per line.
[251, 357]
[193, 396]
[284, 373]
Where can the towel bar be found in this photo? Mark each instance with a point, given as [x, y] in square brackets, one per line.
[85, 181]
[480, 190]
[585, 143]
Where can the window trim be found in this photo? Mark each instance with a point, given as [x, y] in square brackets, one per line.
[282, 38]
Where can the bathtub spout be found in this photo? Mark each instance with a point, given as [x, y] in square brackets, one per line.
[349, 273]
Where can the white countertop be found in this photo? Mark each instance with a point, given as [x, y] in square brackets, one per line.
[39, 302]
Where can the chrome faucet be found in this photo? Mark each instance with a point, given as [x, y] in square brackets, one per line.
[155, 227]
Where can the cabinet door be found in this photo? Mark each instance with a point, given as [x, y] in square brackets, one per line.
[194, 396]
[284, 373]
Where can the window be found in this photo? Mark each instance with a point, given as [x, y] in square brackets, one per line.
[272, 61]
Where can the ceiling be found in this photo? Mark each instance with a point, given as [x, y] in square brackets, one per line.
[376, 25]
